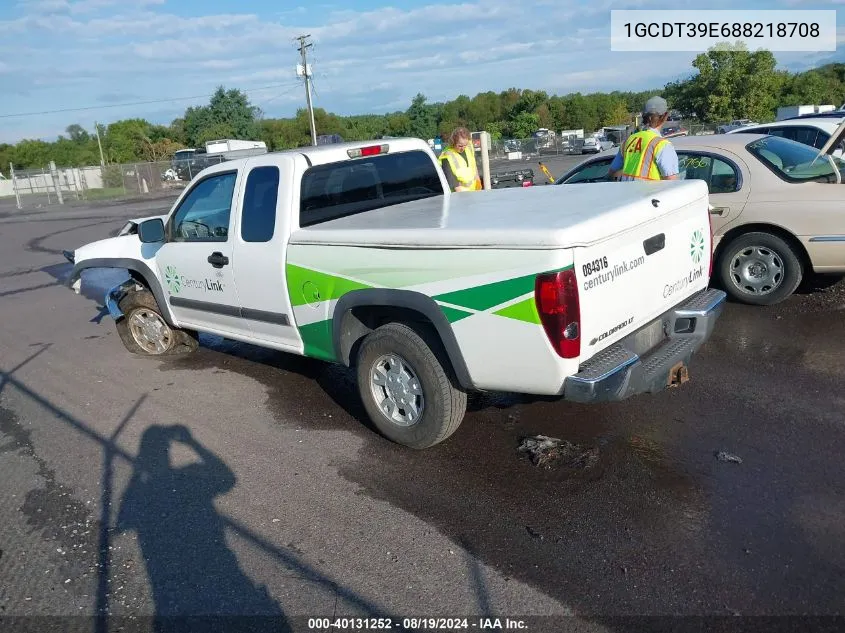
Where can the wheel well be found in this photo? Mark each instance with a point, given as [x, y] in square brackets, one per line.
[782, 233]
[359, 312]
[139, 277]
[361, 320]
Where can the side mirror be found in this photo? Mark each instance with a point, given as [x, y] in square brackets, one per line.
[151, 231]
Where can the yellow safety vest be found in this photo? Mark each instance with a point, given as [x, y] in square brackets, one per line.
[640, 156]
[465, 170]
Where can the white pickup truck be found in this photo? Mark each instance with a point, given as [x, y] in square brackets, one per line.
[358, 254]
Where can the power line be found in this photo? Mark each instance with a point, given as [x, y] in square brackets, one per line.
[264, 103]
[134, 103]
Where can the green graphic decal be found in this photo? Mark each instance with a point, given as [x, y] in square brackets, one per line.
[307, 287]
[453, 314]
[171, 277]
[523, 311]
[489, 295]
[317, 340]
[696, 246]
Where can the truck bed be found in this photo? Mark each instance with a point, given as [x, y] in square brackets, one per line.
[549, 217]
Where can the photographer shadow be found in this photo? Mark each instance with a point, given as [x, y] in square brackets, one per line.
[196, 581]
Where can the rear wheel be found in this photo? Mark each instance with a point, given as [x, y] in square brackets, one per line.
[760, 269]
[406, 389]
[143, 330]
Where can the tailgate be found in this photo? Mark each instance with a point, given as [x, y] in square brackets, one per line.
[630, 278]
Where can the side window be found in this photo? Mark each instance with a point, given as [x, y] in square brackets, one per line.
[723, 177]
[203, 216]
[805, 135]
[594, 172]
[258, 218]
[720, 176]
[821, 139]
[694, 167]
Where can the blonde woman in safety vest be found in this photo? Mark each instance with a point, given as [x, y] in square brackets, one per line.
[458, 162]
[646, 155]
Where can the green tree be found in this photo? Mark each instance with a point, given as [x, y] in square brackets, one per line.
[77, 133]
[124, 140]
[7, 156]
[731, 83]
[30, 154]
[228, 114]
[524, 125]
[422, 117]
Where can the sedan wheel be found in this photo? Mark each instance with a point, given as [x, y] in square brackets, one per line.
[759, 268]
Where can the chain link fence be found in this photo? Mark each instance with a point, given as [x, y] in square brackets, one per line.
[574, 144]
[49, 185]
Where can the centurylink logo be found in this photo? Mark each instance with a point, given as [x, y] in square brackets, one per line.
[696, 246]
[171, 277]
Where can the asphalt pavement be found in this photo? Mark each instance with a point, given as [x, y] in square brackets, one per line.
[244, 481]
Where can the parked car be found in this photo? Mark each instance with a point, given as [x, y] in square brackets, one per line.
[814, 131]
[596, 144]
[830, 114]
[358, 254]
[734, 125]
[777, 212]
[673, 131]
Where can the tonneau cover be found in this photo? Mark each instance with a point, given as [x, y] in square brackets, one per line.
[539, 217]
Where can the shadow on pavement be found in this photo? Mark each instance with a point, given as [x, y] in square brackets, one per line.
[196, 580]
[192, 572]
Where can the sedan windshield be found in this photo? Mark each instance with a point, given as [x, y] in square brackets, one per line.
[795, 162]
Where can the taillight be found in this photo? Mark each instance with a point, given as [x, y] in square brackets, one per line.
[371, 150]
[556, 296]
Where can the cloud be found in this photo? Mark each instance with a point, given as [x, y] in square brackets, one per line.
[373, 60]
[80, 6]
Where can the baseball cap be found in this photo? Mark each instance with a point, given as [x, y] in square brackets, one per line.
[656, 105]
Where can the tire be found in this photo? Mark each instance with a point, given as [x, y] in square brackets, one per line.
[440, 404]
[760, 268]
[140, 306]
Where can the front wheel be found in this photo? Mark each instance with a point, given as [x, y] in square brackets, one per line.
[405, 388]
[144, 331]
[760, 269]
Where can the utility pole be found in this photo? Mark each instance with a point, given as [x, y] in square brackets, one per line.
[304, 70]
[100, 145]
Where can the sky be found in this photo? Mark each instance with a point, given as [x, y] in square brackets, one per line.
[370, 56]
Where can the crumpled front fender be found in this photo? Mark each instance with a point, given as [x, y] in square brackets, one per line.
[116, 252]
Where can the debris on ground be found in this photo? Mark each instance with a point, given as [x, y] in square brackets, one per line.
[724, 456]
[547, 451]
[534, 533]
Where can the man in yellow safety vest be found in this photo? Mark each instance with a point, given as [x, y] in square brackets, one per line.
[458, 162]
[646, 155]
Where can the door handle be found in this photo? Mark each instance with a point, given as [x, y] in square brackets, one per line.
[218, 259]
[720, 211]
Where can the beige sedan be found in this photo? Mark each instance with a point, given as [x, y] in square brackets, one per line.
[778, 213]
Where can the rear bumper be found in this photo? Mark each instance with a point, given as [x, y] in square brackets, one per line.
[618, 372]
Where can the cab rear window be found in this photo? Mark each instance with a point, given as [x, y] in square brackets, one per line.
[336, 190]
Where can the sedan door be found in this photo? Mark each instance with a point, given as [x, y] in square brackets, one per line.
[727, 178]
